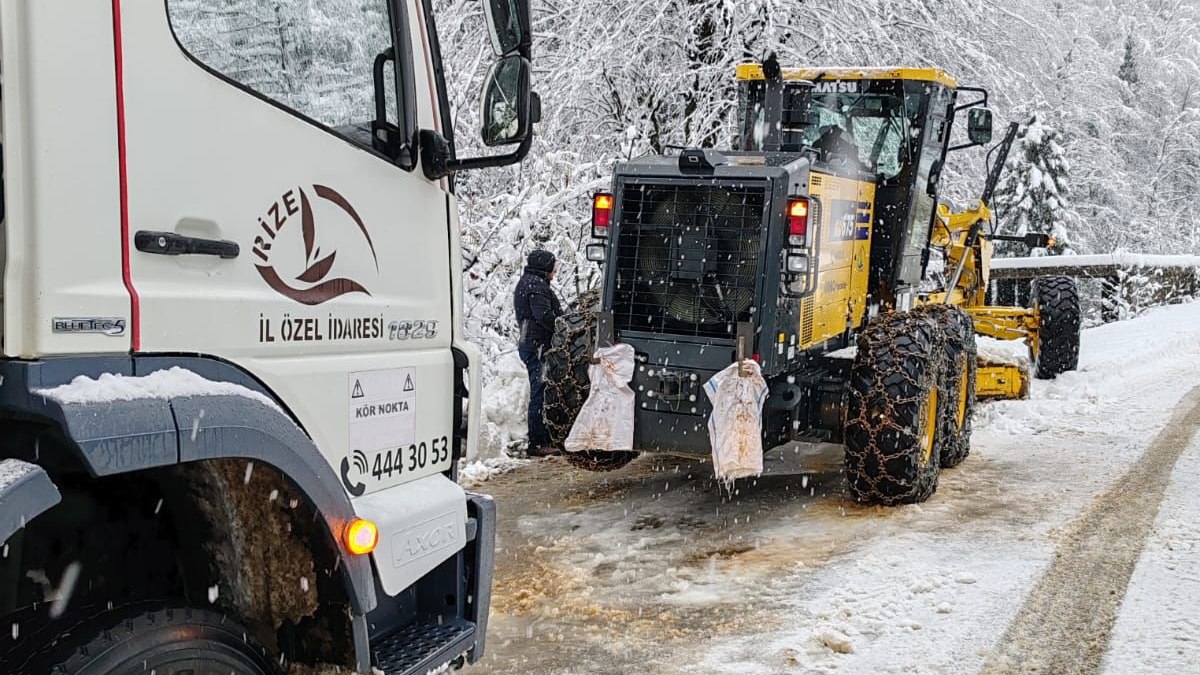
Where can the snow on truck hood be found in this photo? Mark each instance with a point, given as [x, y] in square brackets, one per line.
[175, 382]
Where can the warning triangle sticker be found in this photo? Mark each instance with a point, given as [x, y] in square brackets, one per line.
[358, 392]
[408, 383]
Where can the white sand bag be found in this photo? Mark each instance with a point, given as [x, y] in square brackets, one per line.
[605, 422]
[735, 425]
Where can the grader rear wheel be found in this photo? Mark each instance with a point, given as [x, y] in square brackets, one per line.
[565, 373]
[892, 435]
[958, 381]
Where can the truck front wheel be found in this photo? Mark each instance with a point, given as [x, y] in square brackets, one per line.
[164, 641]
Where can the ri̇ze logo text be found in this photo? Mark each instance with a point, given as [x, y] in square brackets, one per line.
[314, 284]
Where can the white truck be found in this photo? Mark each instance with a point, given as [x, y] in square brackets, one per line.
[233, 381]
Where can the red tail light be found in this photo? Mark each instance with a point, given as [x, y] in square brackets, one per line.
[797, 218]
[602, 204]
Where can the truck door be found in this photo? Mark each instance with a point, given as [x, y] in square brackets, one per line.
[262, 227]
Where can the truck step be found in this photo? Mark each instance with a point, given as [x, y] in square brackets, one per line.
[419, 647]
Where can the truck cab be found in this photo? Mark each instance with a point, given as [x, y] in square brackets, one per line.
[234, 386]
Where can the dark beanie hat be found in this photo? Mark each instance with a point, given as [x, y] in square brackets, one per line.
[540, 260]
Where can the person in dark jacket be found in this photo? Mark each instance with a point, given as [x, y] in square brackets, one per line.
[537, 307]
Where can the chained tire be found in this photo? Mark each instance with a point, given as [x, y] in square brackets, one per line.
[892, 434]
[1056, 301]
[957, 387]
[565, 376]
[140, 640]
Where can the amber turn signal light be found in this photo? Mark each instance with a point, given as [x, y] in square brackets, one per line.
[361, 536]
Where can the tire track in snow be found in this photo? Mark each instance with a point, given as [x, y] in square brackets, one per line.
[1065, 623]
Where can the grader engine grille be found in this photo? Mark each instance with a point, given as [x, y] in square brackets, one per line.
[687, 258]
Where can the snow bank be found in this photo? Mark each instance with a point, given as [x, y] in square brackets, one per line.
[161, 384]
[471, 474]
[505, 400]
[1011, 352]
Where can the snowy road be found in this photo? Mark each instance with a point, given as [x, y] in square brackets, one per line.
[652, 569]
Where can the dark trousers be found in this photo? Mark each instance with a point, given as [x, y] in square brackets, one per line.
[532, 357]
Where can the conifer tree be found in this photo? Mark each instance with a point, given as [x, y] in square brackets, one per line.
[1032, 195]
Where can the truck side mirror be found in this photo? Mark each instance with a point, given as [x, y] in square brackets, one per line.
[509, 108]
[506, 97]
[508, 24]
[979, 126]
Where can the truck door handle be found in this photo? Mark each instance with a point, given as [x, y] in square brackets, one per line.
[169, 243]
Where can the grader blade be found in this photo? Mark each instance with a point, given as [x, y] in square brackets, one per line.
[998, 380]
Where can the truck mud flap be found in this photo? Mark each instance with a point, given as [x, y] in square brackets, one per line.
[481, 565]
[26, 491]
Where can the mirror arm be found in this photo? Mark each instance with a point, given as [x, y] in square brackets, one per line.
[437, 162]
[973, 104]
[455, 165]
[964, 146]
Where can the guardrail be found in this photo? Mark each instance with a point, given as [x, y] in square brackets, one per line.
[1115, 285]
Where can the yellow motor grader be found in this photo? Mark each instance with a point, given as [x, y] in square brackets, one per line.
[806, 248]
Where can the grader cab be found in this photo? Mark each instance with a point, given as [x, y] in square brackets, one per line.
[812, 237]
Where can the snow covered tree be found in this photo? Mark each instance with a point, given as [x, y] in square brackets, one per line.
[1032, 195]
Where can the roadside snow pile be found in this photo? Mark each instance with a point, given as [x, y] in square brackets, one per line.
[1010, 352]
[161, 384]
[474, 473]
[1111, 356]
[505, 400]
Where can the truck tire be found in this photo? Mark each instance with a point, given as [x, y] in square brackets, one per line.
[564, 371]
[957, 388]
[892, 433]
[162, 641]
[1056, 300]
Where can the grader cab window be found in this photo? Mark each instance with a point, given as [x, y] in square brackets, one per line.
[874, 125]
[867, 129]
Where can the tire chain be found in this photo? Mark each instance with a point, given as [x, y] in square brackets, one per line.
[896, 366]
[565, 365]
[959, 348]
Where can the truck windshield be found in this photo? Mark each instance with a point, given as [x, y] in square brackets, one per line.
[866, 129]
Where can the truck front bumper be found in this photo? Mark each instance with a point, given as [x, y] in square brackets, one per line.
[442, 618]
